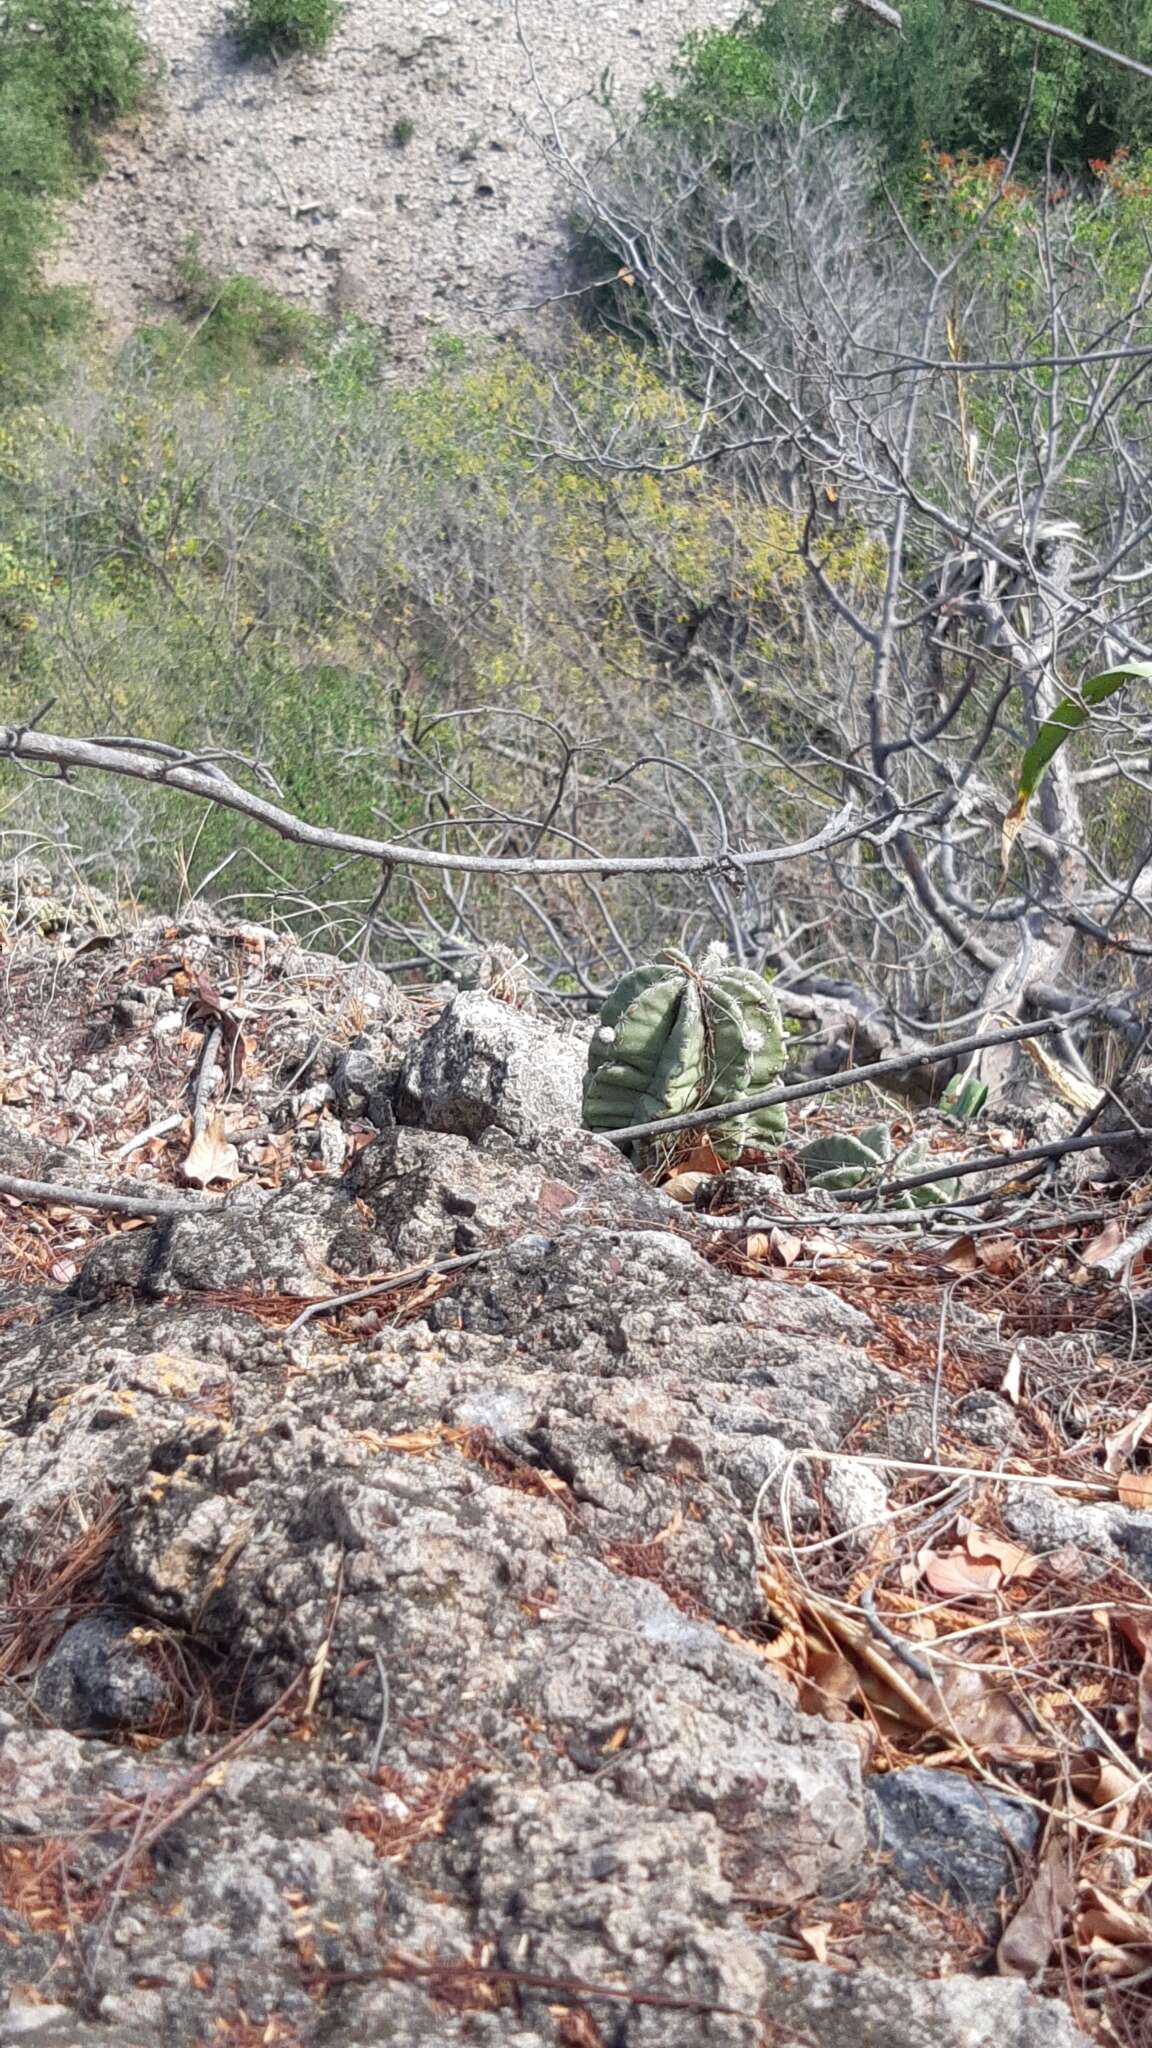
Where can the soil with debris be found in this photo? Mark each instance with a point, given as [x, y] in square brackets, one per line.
[602, 1630]
[402, 176]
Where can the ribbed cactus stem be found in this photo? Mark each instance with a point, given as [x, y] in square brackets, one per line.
[673, 1038]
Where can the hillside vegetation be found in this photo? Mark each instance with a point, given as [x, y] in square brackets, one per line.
[719, 563]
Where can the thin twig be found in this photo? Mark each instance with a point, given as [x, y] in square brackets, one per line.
[407, 1277]
[130, 757]
[159, 1129]
[851, 1077]
[93, 1198]
[888, 1636]
[405, 1967]
[205, 1079]
[385, 1710]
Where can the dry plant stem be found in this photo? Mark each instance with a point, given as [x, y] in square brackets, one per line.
[129, 758]
[91, 1198]
[528, 1980]
[159, 1129]
[1040, 27]
[851, 1077]
[987, 1162]
[205, 1079]
[407, 1277]
[1115, 1263]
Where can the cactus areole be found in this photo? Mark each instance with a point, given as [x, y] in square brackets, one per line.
[672, 1037]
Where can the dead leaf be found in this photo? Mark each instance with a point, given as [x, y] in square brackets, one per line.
[207, 1007]
[211, 1157]
[1119, 1447]
[999, 1254]
[1135, 1489]
[1010, 1384]
[1105, 1241]
[701, 1157]
[815, 1939]
[1014, 1561]
[786, 1248]
[981, 1712]
[955, 1575]
[758, 1245]
[1029, 1938]
[682, 1186]
[961, 1257]
[1102, 1918]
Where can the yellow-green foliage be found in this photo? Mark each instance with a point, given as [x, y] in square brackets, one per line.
[309, 568]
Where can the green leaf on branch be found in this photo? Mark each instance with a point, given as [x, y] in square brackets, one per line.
[1070, 714]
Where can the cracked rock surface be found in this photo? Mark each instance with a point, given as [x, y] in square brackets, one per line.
[407, 1677]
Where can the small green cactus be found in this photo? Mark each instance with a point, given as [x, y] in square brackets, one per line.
[863, 1159]
[672, 1038]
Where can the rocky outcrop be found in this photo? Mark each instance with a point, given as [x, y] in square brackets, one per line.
[406, 1675]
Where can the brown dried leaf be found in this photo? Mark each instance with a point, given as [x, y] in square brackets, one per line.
[815, 1939]
[961, 1257]
[701, 1157]
[1105, 1241]
[1014, 1561]
[954, 1574]
[1119, 1447]
[786, 1249]
[1031, 1935]
[999, 1254]
[211, 1157]
[682, 1186]
[973, 1706]
[1135, 1489]
[1103, 1918]
[832, 1682]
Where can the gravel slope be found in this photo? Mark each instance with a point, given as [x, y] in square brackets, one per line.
[293, 171]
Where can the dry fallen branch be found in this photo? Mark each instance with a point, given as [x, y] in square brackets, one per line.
[851, 1077]
[173, 770]
[94, 1198]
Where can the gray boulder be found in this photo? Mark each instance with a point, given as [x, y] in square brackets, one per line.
[948, 1837]
[97, 1679]
[484, 1065]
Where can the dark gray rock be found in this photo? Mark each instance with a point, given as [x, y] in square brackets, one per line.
[485, 1064]
[948, 1837]
[97, 1679]
[362, 1084]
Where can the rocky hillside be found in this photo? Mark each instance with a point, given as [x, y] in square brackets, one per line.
[456, 1595]
[402, 175]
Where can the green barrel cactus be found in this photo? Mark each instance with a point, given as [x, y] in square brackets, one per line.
[672, 1038]
[861, 1159]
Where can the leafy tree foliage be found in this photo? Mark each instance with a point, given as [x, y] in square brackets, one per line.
[958, 79]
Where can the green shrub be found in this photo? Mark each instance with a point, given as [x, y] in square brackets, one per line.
[957, 79]
[65, 66]
[238, 322]
[83, 58]
[279, 28]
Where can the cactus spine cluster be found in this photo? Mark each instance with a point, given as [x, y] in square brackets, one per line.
[672, 1038]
